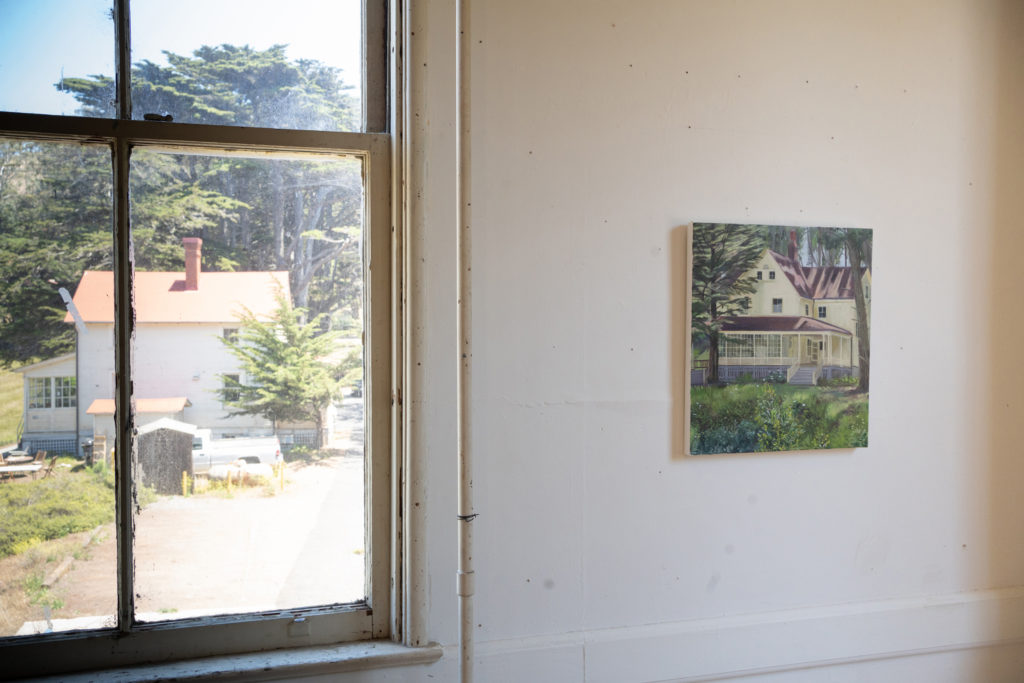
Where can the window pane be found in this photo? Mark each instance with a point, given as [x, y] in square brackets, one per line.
[251, 441]
[273, 65]
[57, 538]
[46, 47]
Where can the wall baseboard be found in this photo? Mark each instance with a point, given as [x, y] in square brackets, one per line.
[727, 647]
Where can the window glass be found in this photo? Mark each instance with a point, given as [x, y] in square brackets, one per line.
[46, 46]
[267, 513]
[249, 64]
[57, 537]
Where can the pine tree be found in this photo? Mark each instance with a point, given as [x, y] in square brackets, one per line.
[287, 378]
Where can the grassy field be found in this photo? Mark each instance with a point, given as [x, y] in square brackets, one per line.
[745, 418]
[10, 406]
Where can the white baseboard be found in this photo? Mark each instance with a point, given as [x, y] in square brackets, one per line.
[722, 648]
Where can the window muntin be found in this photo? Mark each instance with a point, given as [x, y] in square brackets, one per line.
[371, 617]
[65, 392]
[39, 392]
[821, 311]
[771, 274]
[776, 305]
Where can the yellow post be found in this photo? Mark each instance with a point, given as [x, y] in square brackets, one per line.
[184, 482]
[280, 474]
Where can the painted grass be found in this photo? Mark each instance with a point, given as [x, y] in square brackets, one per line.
[776, 417]
[10, 406]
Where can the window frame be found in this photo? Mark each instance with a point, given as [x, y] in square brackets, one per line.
[776, 305]
[822, 312]
[62, 398]
[47, 393]
[379, 615]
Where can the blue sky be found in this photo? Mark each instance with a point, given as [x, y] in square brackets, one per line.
[41, 39]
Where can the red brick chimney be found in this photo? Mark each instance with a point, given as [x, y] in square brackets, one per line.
[794, 250]
[193, 261]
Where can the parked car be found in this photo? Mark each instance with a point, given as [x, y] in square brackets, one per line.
[207, 451]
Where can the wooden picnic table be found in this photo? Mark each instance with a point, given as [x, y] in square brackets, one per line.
[17, 458]
[7, 471]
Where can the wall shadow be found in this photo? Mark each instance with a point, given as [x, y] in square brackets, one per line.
[1004, 404]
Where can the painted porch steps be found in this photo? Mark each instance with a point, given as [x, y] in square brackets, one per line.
[804, 376]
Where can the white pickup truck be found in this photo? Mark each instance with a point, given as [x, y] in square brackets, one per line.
[207, 451]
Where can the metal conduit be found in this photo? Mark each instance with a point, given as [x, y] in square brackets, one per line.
[463, 193]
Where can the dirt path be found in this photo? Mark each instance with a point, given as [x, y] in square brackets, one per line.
[258, 549]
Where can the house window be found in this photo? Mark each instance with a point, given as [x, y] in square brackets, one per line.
[821, 311]
[771, 274]
[39, 392]
[776, 305]
[289, 176]
[807, 309]
[64, 392]
[230, 392]
[760, 275]
[774, 346]
[867, 291]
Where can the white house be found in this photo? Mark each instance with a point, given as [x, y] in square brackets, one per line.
[800, 321]
[179, 357]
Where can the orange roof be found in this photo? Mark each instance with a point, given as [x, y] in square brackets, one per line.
[162, 297]
[175, 404]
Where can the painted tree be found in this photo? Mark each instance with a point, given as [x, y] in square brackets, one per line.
[287, 378]
[722, 254]
[858, 247]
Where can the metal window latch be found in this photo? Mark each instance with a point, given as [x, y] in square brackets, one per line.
[158, 117]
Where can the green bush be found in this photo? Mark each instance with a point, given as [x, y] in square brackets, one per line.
[739, 438]
[777, 426]
[41, 510]
[847, 381]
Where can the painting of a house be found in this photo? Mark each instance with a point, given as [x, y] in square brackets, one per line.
[180, 359]
[780, 321]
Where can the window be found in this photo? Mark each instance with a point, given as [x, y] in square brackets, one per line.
[64, 392]
[776, 305]
[821, 311]
[760, 275]
[774, 346]
[771, 274]
[230, 393]
[290, 179]
[807, 309]
[39, 392]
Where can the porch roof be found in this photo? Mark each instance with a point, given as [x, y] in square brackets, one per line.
[780, 323]
[173, 404]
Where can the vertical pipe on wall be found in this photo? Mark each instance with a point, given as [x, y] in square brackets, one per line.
[463, 191]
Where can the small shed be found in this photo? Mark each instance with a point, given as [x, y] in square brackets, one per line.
[165, 451]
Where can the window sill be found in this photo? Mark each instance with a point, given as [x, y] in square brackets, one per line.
[272, 665]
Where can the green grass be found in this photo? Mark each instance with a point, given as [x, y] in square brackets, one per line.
[10, 406]
[776, 417]
[39, 510]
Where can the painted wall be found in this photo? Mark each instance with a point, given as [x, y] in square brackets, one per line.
[603, 127]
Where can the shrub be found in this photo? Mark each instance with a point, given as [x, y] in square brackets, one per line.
[777, 427]
[738, 438]
[53, 507]
[846, 381]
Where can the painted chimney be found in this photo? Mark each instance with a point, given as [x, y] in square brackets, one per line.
[193, 262]
[794, 250]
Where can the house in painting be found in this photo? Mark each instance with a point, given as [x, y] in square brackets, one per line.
[801, 321]
[180, 360]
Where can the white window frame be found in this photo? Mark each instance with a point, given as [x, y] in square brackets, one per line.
[822, 311]
[380, 614]
[776, 301]
[62, 398]
[34, 394]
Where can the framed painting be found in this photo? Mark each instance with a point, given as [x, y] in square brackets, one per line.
[780, 321]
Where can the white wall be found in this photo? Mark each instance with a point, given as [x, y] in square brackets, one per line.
[602, 127]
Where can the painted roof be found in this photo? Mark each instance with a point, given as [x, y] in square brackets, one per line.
[175, 404]
[162, 298]
[779, 323]
[817, 282]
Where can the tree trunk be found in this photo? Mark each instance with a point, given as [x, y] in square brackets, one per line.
[713, 357]
[863, 338]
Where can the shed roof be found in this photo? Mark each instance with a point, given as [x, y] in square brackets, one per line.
[780, 323]
[161, 297]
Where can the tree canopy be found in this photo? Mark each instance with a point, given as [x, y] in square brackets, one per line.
[267, 213]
